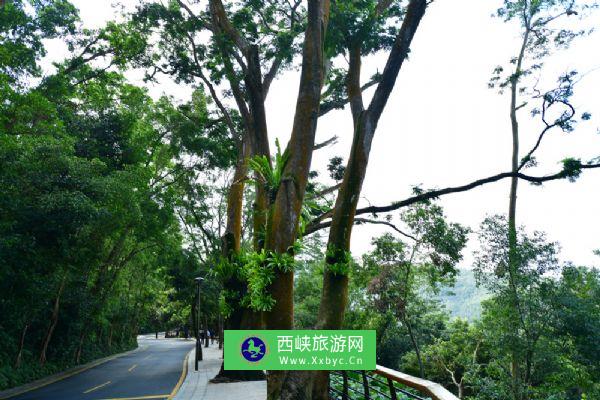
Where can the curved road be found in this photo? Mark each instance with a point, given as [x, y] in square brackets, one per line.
[152, 372]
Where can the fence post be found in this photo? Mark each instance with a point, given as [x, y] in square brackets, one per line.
[345, 385]
[366, 385]
[392, 389]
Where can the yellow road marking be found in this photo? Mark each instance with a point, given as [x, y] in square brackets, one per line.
[182, 377]
[96, 387]
[158, 396]
[132, 368]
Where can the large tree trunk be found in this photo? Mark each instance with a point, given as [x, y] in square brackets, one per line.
[335, 285]
[230, 242]
[260, 141]
[251, 103]
[334, 297]
[282, 227]
[240, 318]
[53, 322]
[255, 142]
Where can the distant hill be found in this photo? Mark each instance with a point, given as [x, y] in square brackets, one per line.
[464, 299]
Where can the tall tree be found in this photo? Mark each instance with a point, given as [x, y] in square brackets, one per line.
[426, 263]
[517, 315]
[356, 40]
[540, 35]
[234, 57]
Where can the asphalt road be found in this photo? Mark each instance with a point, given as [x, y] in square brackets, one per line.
[152, 372]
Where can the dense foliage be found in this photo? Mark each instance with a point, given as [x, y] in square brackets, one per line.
[92, 171]
[555, 344]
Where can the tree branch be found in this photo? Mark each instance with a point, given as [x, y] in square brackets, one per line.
[360, 221]
[213, 92]
[559, 122]
[271, 75]
[220, 15]
[382, 5]
[326, 191]
[353, 82]
[399, 53]
[318, 224]
[437, 193]
[206, 24]
[339, 104]
[331, 140]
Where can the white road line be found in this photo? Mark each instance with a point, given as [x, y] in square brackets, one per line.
[96, 387]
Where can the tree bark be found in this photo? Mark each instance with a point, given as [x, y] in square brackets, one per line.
[53, 322]
[230, 242]
[251, 109]
[79, 347]
[110, 336]
[415, 344]
[21, 345]
[513, 267]
[334, 297]
[240, 318]
[260, 141]
[282, 227]
[254, 142]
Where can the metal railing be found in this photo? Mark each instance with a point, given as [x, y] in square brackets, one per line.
[383, 383]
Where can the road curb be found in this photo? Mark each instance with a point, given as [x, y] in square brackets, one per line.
[7, 394]
[183, 376]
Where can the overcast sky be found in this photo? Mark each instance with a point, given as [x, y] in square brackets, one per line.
[444, 127]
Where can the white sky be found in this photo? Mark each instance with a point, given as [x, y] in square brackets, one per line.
[444, 127]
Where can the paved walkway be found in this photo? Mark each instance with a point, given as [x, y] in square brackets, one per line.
[197, 386]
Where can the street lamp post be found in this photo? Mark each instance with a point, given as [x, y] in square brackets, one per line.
[198, 342]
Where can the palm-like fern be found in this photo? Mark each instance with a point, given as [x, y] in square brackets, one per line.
[270, 176]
